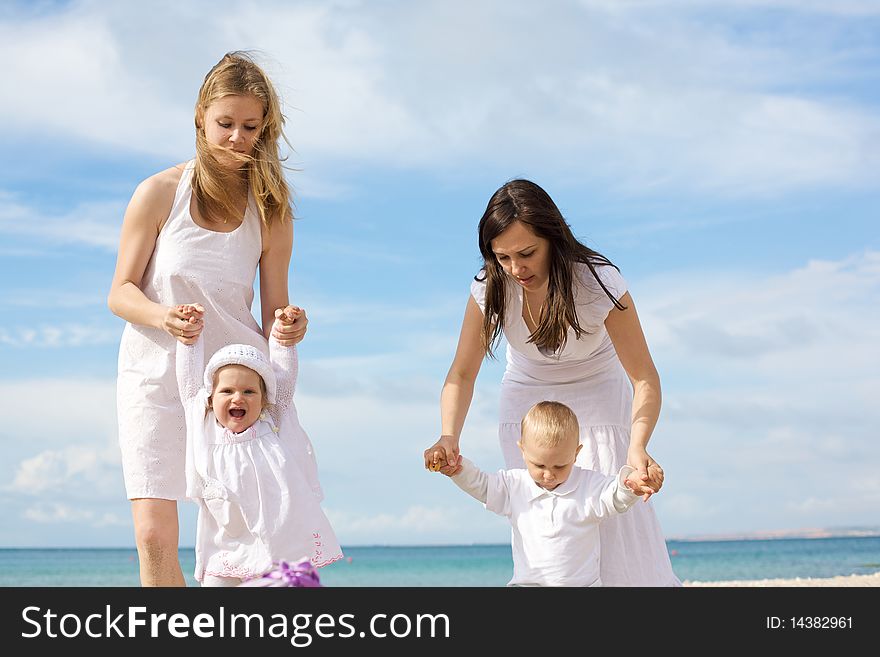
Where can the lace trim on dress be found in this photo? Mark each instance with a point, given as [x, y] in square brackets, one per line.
[226, 436]
[231, 570]
[321, 564]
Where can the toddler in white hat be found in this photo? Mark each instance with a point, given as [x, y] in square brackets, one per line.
[250, 465]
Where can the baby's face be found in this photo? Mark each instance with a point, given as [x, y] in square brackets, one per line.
[548, 466]
[237, 399]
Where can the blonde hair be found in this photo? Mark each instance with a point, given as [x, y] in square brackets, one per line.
[215, 186]
[550, 423]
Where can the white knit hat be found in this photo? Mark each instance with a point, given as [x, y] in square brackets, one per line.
[242, 354]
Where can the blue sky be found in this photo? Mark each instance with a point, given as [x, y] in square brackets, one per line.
[726, 155]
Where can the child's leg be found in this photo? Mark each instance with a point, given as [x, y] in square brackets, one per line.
[211, 580]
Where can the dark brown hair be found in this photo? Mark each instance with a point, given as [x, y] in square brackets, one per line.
[526, 202]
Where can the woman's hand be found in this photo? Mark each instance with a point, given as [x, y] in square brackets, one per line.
[290, 325]
[443, 456]
[184, 322]
[639, 489]
[648, 471]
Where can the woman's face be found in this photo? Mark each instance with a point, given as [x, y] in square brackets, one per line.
[233, 123]
[523, 255]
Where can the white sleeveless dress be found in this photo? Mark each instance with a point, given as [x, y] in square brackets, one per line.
[587, 376]
[189, 264]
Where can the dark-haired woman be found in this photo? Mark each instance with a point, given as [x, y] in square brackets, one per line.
[574, 337]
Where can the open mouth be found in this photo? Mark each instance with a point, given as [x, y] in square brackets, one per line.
[237, 412]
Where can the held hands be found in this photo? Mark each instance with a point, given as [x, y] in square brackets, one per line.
[443, 456]
[639, 488]
[290, 325]
[184, 322]
[648, 475]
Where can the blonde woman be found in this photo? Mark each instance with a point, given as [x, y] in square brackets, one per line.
[196, 234]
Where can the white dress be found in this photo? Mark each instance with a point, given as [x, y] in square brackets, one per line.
[587, 376]
[189, 264]
[257, 491]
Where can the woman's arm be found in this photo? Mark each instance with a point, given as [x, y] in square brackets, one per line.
[628, 338]
[274, 271]
[146, 214]
[458, 390]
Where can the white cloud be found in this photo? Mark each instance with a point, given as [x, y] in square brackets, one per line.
[687, 505]
[841, 7]
[816, 320]
[78, 468]
[785, 426]
[417, 519]
[59, 336]
[54, 513]
[461, 521]
[76, 411]
[36, 298]
[71, 77]
[94, 224]
[614, 93]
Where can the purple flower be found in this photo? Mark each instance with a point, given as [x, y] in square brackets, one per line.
[301, 574]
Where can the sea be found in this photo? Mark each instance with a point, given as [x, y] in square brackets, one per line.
[467, 565]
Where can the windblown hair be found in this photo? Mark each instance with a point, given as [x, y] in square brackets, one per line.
[550, 423]
[526, 202]
[215, 187]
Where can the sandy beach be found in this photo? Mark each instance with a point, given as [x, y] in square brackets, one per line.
[850, 580]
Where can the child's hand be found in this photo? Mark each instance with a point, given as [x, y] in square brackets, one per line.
[184, 322]
[648, 471]
[439, 457]
[287, 315]
[192, 311]
[639, 488]
[436, 461]
[290, 325]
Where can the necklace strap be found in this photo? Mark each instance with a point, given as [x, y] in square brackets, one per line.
[529, 307]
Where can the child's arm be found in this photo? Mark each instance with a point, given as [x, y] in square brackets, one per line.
[472, 481]
[493, 490]
[190, 359]
[285, 361]
[614, 494]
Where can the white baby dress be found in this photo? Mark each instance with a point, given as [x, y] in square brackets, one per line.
[258, 491]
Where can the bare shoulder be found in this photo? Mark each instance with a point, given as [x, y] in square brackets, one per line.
[162, 185]
[154, 196]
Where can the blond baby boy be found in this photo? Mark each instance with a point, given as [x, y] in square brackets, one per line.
[554, 507]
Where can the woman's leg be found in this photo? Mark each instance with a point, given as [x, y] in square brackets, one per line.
[156, 534]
